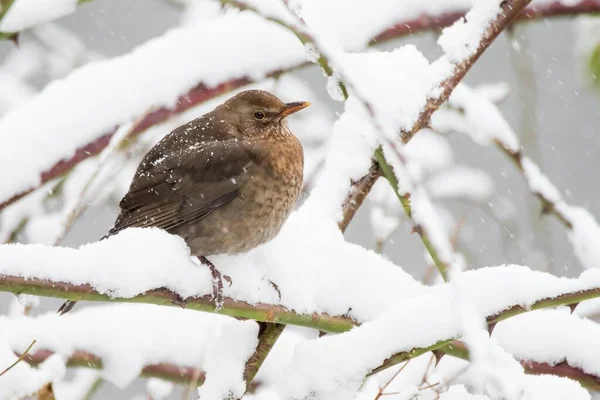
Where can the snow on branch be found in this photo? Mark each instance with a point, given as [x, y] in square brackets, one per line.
[554, 341]
[313, 289]
[17, 15]
[411, 327]
[484, 123]
[445, 16]
[410, 109]
[213, 344]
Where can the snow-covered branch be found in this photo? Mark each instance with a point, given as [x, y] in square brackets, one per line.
[231, 307]
[83, 359]
[536, 10]
[499, 293]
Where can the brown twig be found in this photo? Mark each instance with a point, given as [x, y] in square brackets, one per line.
[85, 359]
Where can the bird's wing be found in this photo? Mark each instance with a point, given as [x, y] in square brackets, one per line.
[184, 186]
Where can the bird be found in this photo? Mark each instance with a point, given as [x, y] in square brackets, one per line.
[224, 182]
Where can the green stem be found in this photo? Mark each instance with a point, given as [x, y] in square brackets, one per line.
[165, 297]
[388, 173]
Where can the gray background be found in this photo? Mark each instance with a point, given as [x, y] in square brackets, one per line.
[552, 106]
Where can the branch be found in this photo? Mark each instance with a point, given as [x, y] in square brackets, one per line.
[259, 312]
[589, 381]
[549, 206]
[84, 359]
[164, 297]
[532, 12]
[196, 96]
[457, 348]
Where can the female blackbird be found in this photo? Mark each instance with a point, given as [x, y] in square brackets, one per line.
[225, 182]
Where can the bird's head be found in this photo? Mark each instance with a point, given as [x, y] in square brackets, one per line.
[260, 113]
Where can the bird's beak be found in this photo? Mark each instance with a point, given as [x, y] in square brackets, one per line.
[293, 107]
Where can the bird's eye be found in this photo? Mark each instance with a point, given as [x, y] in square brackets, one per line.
[259, 115]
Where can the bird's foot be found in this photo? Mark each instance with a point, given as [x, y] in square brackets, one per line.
[217, 280]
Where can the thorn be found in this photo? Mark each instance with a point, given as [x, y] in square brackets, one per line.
[416, 229]
[491, 328]
[15, 39]
[179, 301]
[546, 209]
[573, 307]
[438, 356]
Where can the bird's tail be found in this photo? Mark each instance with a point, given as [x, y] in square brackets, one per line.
[69, 304]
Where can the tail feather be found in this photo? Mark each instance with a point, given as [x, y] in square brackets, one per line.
[69, 304]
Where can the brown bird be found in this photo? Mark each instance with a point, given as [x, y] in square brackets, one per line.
[225, 182]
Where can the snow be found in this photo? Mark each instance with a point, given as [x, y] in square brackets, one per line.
[78, 387]
[349, 158]
[551, 337]
[461, 182]
[158, 389]
[354, 24]
[27, 13]
[583, 235]
[102, 263]
[224, 365]
[461, 40]
[135, 261]
[22, 379]
[459, 392]
[395, 83]
[538, 182]
[584, 227]
[552, 388]
[163, 335]
[179, 59]
[483, 122]
[333, 366]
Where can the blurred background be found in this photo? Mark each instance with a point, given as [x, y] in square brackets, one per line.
[552, 104]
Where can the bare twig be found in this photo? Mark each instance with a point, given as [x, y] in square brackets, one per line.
[18, 359]
[381, 390]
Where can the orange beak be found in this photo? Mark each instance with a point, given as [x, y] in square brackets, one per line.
[294, 107]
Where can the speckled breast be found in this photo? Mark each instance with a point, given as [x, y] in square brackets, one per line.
[265, 201]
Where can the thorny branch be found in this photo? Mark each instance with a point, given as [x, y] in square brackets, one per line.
[259, 312]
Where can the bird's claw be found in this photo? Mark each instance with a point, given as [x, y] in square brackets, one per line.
[217, 282]
[217, 295]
